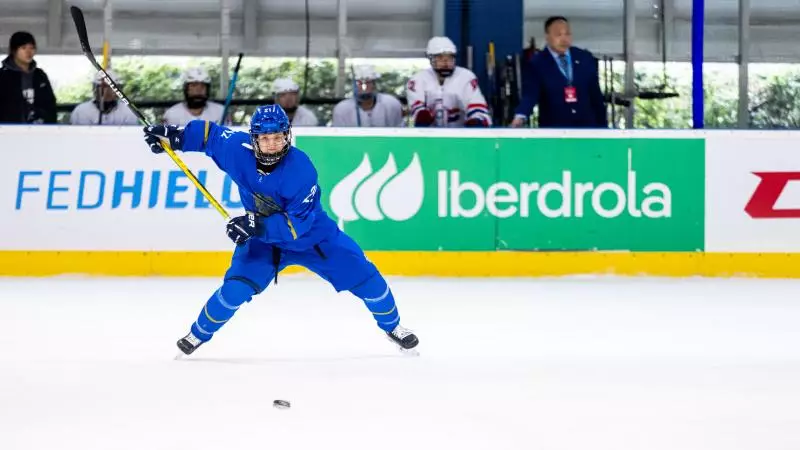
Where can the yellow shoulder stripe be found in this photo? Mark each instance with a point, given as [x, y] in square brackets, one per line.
[291, 227]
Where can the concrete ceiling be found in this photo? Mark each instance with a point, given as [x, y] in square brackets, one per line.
[390, 28]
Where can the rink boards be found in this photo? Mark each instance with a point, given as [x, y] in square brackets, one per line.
[422, 202]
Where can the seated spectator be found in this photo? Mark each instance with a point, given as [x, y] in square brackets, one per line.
[114, 112]
[26, 95]
[196, 92]
[287, 94]
[445, 95]
[564, 81]
[368, 108]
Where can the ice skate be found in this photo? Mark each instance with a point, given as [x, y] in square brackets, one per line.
[189, 344]
[403, 337]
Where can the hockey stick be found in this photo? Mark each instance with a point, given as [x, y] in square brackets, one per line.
[491, 73]
[106, 50]
[231, 89]
[83, 36]
[355, 94]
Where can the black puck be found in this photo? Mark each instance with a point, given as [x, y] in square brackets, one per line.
[281, 404]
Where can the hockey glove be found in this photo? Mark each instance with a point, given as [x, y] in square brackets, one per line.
[424, 118]
[242, 228]
[155, 133]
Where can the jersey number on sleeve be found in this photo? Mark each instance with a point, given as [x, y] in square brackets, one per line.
[311, 194]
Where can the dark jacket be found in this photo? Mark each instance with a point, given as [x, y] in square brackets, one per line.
[16, 85]
[543, 83]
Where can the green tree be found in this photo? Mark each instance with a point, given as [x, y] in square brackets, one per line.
[721, 105]
[719, 97]
[777, 103]
[146, 81]
[775, 99]
[670, 113]
[650, 113]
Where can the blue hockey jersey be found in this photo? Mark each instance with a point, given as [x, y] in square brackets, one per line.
[288, 198]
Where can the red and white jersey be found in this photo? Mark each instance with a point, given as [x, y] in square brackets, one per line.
[451, 103]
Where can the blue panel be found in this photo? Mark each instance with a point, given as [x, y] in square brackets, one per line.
[698, 26]
[478, 22]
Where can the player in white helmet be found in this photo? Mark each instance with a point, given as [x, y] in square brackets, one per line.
[287, 94]
[114, 112]
[445, 95]
[196, 92]
[368, 108]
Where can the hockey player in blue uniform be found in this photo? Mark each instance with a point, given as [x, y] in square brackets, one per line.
[284, 223]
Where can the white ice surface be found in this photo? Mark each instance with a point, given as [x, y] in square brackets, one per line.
[548, 364]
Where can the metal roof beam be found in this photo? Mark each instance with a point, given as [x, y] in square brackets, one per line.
[54, 28]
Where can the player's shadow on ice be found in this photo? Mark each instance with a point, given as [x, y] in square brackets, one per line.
[298, 360]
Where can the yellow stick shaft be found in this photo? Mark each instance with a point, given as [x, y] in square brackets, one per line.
[220, 209]
[106, 54]
[77, 16]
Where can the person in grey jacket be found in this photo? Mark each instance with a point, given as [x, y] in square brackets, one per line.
[26, 95]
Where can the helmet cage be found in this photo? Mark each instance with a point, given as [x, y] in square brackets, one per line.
[269, 159]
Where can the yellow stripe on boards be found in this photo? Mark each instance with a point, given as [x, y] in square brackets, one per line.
[411, 263]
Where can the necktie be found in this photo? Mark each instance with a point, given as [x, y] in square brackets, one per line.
[562, 61]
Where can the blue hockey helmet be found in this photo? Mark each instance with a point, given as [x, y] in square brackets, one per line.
[270, 119]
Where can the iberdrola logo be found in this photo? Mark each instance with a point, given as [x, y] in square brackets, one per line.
[379, 195]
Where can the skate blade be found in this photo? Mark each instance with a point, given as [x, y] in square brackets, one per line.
[403, 351]
[408, 352]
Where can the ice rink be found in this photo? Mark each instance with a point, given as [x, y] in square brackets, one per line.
[581, 363]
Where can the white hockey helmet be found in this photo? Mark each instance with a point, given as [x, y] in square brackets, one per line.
[365, 72]
[438, 45]
[284, 85]
[98, 77]
[196, 75]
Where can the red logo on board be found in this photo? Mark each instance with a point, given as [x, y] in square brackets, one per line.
[769, 189]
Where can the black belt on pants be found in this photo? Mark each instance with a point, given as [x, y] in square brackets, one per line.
[276, 258]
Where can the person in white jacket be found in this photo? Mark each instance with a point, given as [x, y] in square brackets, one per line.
[196, 92]
[445, 95]
[368, 108]
[113, 111]
[287, 94]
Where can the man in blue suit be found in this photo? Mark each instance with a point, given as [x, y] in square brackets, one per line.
[564, 82]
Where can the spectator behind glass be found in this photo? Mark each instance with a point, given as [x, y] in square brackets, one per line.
[287, 94]
[196, 104]
[374, 109]
[564, 81]
[26, 95]
[114, 112]
[446, 95]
